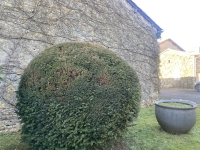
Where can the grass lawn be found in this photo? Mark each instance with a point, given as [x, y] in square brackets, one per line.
[145, 135]
[12, 142]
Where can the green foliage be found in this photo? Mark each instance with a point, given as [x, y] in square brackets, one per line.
[76, 96]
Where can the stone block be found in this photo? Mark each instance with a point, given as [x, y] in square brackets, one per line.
[2, 106]
[1, 123]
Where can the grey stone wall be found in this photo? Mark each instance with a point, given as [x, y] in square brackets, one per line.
[28, 27]
[177, 69]
[9, 121]
[198, 68]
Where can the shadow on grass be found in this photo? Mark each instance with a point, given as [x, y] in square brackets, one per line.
[118, 144]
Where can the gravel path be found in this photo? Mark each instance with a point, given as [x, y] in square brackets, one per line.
[184, 94]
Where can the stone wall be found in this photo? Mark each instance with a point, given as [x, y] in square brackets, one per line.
[28, 27]
[198, 68]
[9, 121]
[177, 69]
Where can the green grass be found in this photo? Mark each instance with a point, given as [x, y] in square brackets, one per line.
[147, 135]
[12, 142]
[144, 135]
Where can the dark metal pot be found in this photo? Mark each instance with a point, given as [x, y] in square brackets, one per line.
[176, 120]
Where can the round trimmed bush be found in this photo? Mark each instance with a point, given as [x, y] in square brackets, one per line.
[76, 96]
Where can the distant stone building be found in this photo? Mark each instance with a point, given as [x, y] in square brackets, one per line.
[169, 43]
[195, 50]
[197, 59]
[178, 68]
[28, 27]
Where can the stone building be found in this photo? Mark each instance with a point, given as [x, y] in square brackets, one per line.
[28, 27]
[197, 60]
[169, 43]
[178, 68]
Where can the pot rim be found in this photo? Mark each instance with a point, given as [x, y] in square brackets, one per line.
[193, 104]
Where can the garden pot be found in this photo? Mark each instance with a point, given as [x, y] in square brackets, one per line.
[174, 119]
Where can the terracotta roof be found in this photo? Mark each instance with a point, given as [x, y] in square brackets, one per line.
[138, 9]
[170, 40]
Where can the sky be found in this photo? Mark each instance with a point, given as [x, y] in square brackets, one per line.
[180, 20]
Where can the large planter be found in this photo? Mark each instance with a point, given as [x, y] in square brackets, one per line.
[173, 119]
